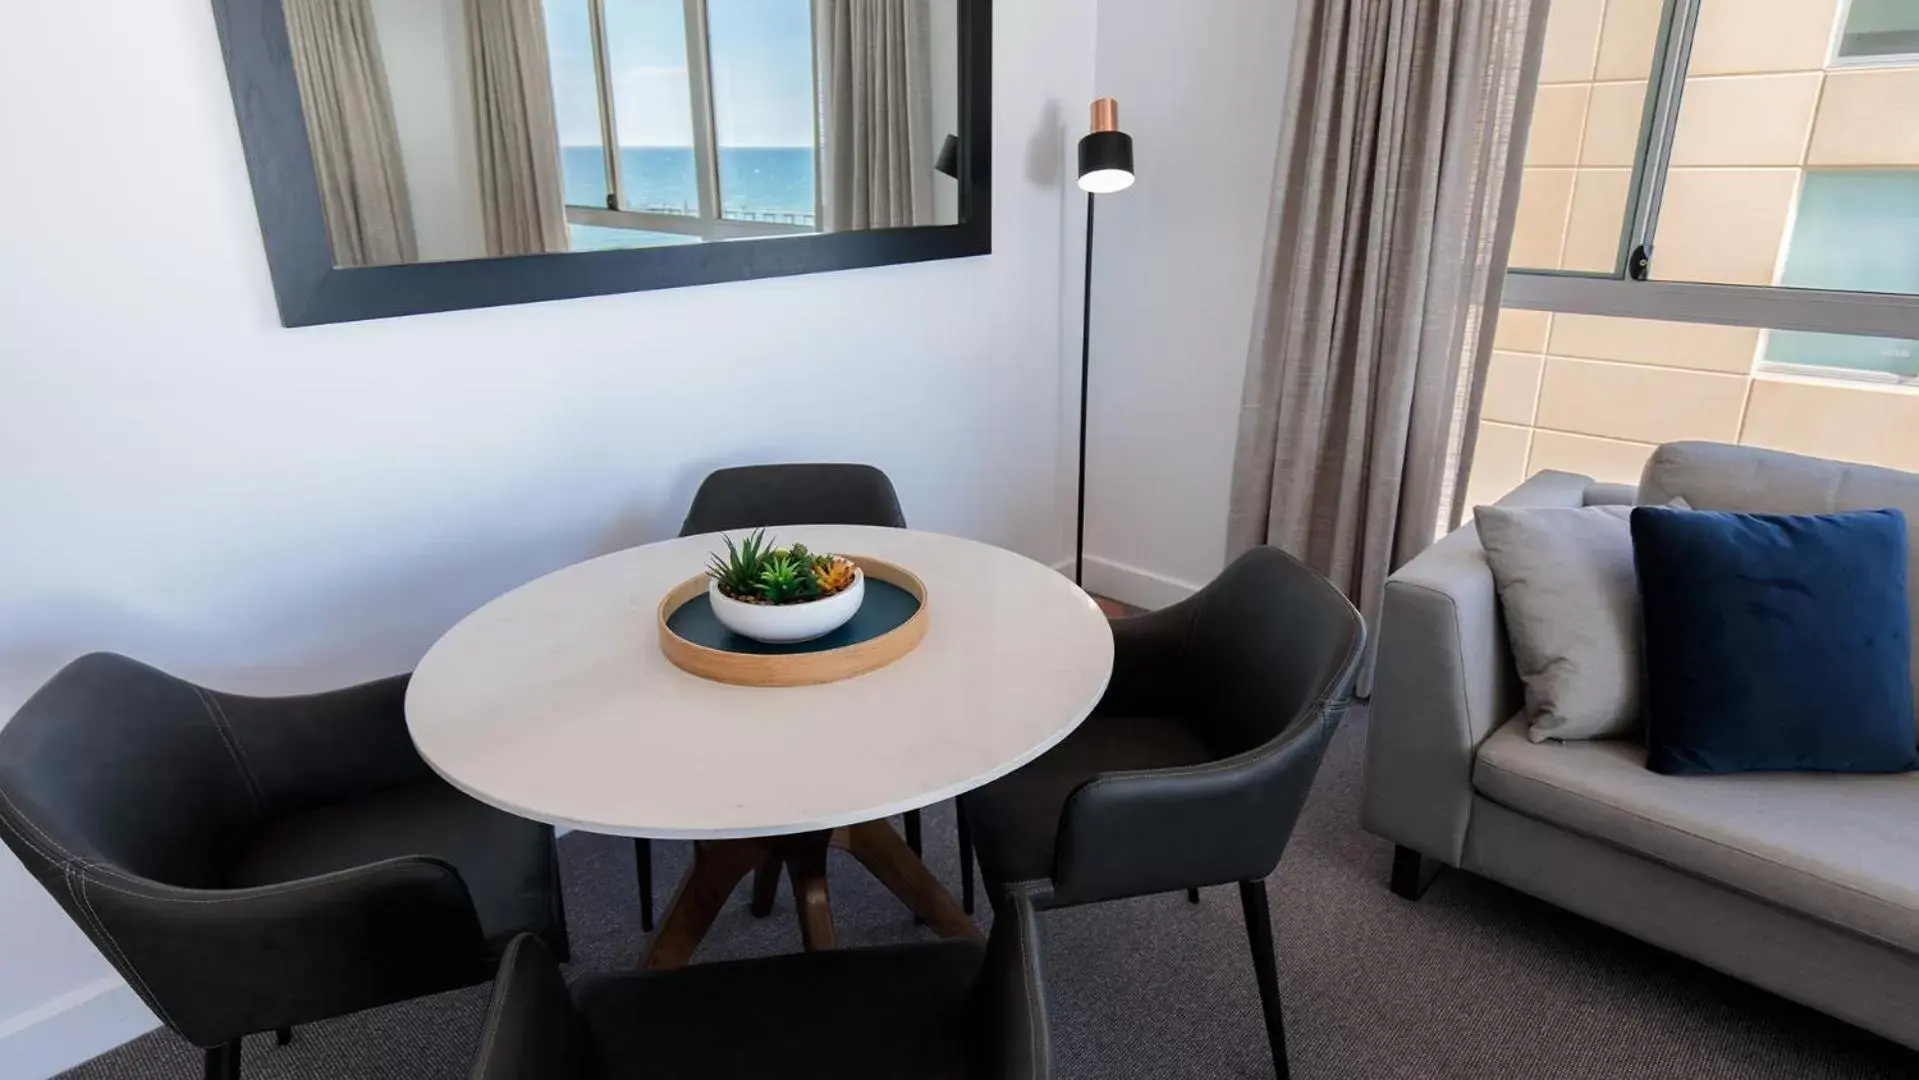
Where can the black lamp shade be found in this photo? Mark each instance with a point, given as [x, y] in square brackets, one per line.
[1106, 162]
[948, 162]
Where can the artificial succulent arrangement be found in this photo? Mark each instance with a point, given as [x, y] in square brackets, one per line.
[755, 572]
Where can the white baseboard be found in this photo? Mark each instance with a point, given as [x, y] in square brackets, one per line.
[1130, 584]
[72, 1028]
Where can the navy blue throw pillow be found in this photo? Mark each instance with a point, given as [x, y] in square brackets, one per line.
[1775, 642]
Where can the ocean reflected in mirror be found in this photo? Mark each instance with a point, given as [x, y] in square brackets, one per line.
[446, 130]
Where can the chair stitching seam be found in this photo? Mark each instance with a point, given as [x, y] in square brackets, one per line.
[146, 991]
[494, 1009]
[1034, 1010]
[218, 716]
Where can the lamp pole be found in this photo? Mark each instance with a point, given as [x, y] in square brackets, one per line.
[1105, 167]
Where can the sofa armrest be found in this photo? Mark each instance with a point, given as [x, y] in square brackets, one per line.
[1612, 495]
[1444, 681]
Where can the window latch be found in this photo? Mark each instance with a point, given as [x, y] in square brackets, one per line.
[1639, 263]
[612, 201]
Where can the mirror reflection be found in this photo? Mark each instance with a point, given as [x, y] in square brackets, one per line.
[468, 129]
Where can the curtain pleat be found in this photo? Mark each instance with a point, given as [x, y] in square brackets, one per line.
[522, 194]
[875, 75]
[349, 122]
[1397, 176]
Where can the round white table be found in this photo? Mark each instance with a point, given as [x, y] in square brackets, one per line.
[554, 702]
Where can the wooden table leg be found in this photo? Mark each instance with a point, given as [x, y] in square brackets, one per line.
[806, 867]
[886, 857]
[718, 866]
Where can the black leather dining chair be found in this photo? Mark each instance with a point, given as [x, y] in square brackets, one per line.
[248, 864]
[756, 496]
[945, 1010]
[1194, 767]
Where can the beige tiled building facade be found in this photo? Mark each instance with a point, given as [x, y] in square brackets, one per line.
[1766, 104]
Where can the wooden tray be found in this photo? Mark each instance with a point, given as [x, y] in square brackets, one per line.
[874, 639]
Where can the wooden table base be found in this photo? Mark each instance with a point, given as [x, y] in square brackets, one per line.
[720, 865]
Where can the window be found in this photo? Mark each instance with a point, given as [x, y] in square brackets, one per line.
[1717, 238]
[1877, 30]
[1722, 161]
[707, 106]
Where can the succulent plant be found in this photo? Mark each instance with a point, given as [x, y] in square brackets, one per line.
[755, 571]
[833, 574]
[738, 573]
[786, 580]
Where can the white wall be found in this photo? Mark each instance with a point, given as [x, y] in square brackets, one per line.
[1202, 91]
[274, 510]
[429, 76]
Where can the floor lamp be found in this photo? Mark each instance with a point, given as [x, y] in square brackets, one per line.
[1105, 167]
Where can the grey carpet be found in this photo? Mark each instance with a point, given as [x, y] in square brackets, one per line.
[1475, 980]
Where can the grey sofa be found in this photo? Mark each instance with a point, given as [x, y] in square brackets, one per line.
[1806, 885]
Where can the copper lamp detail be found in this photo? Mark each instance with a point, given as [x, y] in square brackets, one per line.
[1106, 153]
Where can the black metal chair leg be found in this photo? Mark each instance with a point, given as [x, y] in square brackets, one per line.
[643, 864]
[1192, 896]
[1259, 935]
[965, 857]
[283, 1036]
[914, 841]
[223, 1062]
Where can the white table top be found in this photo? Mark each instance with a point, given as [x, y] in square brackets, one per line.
[553, 702]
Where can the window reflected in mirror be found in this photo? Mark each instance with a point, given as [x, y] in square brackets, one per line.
[465, 129]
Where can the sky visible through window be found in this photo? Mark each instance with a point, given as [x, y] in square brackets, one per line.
[762, 72]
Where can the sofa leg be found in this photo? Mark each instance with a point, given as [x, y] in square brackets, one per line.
[223, 1062]
[1192, 896]
[282, 1036]
[1413, 872]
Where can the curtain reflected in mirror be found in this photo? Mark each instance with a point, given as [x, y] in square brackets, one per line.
[465, 129]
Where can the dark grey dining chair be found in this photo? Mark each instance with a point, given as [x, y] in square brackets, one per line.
[756, 496]
[944, 1010]
[1194, 767]
[248, 864]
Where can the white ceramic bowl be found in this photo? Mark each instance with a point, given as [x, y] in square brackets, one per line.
[785, 624]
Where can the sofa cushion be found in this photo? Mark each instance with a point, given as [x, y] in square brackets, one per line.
[1571, 599]
[1714, 476]
[1775, 642]
[1840, 849]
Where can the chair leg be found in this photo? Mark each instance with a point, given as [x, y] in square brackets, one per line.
[223, 1062]
[1413, 872]
[282, 1036]
[1259, 935]
[1192, 896]
[643, 864]
[914, 841]
[965, 857]
[766, 885]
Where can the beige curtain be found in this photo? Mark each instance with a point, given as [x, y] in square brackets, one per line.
[349, 121]
[1398, 178]
[876, 115]
[521, 196]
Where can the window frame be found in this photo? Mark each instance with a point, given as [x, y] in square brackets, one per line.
[1627, 292]
[711, 222]
[1834, 59]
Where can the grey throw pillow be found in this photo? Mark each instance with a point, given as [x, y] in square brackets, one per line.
[1571, 597]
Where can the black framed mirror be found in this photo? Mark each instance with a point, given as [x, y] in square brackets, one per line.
[411, 156]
